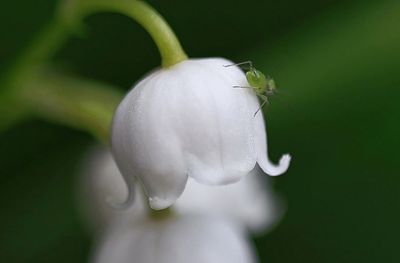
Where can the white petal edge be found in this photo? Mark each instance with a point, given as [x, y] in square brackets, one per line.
[274, 170]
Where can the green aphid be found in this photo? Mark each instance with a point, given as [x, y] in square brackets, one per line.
[263, 86]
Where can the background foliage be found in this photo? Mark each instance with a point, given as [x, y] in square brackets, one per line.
[337, 64]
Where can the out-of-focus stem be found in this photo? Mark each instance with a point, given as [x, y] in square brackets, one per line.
[75, 102]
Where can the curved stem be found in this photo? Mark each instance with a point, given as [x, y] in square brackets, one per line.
[168, 44]
[54, 35]
[43, 46]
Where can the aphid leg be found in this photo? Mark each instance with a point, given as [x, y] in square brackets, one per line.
[264, 98]
[241, 63]
[265, 101]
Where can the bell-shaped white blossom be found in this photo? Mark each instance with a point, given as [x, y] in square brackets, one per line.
[249, 203]
[175, 240]
[189, 121]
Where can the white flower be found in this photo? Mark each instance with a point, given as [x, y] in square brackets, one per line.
[249, 203]
[175, 240]
[189, 121]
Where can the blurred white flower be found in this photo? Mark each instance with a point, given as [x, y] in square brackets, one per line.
[189, 121]
[175, 240]
[250, 203]
[101, 181]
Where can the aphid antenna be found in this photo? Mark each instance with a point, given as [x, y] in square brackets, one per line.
[241, 87]
[242, 63]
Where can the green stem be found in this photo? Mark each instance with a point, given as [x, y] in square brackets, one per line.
[168, 45]
[45, 44]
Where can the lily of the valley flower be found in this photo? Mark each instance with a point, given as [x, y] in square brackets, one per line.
[188, 121]
[250, 203]
[175, 240]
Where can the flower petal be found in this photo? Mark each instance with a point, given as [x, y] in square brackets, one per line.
[145, 145]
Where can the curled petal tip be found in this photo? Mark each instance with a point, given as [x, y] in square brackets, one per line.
[275, 170]
[283, 165]
[285, 160]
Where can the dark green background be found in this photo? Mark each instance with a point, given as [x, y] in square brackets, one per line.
[337, 64]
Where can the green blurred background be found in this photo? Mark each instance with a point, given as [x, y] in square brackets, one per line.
[337, 64]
